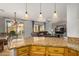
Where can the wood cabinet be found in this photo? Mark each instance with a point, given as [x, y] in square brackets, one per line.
[23, 54]
[37, 54]
[78, 53]
[65, 51]
[72, 52]
[23, 51]
[37, 50]
[54, 54]
[53, 51]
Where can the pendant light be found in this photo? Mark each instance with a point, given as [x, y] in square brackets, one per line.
[40, 12]
[55, 12]
[14, 22]
[41, 18]
[26, 13]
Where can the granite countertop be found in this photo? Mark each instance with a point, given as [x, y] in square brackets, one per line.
[44, 41]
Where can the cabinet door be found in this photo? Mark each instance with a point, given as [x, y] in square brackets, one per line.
[37, 54]
[78, 53]
[37, 50]
[72, 52]
[22, 51]
[55, 50]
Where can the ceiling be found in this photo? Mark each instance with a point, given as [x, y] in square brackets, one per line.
[8, 9]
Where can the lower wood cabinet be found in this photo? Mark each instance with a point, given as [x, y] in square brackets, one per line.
[55, 51]
[22, 51]
[54, 54]
[78, 54]
[23, 54]
[72, 52]
[36, 50]
[37, 54]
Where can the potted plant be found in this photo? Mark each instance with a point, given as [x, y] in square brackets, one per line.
[12, 34]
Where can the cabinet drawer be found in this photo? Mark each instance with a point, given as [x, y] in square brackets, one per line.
[37, 54]
[23, 54]
[55, 50]
[37, 49]
[22, 50]
[54, 54]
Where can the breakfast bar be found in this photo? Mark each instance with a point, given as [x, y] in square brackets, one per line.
[44, 46]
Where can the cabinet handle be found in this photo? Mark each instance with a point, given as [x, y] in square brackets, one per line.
[56, 50]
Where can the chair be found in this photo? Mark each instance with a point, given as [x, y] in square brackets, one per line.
[1, 45]
[4, 37]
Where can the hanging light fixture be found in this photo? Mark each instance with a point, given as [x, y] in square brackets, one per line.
[14, 22]
[40, 12]
[55, 12]
[26, 13]
[40, 18]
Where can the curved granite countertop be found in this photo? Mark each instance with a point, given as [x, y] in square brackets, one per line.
[44, 41]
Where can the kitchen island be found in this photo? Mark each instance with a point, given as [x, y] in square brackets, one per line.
[44, 46]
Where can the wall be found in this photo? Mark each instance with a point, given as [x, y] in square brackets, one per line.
[48, 26]
[2, 25]
[72, 20]
[27, 28]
